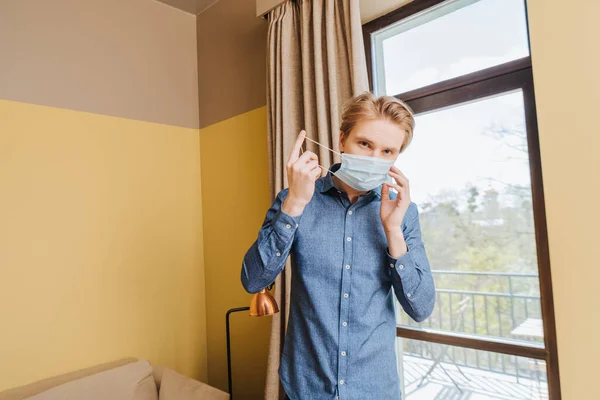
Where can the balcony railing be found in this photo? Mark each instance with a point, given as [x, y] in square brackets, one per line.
[473, 309]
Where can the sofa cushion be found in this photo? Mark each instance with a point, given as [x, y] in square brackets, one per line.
[129, 382]
[178, 387]
[23, 392]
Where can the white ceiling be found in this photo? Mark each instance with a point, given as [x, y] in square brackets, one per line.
[191, 6]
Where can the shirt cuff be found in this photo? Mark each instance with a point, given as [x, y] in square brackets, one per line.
[285, 225]
[404, 269]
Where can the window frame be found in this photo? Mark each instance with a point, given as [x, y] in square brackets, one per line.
[512, 75]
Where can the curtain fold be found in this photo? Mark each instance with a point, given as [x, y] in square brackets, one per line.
[315, 63]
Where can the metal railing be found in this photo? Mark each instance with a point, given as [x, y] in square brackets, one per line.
[496, 313]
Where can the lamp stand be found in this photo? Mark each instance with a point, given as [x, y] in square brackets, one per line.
[262, 304]
[229, 347]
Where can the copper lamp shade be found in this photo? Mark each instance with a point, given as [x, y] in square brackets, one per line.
[263, 304]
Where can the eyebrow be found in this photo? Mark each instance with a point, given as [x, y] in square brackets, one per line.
[362, 139]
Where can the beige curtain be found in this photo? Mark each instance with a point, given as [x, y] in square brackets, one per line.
[315, 62]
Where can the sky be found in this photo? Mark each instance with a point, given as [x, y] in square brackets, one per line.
[450, 148]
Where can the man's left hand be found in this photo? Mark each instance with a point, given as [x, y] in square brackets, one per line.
[392, 211]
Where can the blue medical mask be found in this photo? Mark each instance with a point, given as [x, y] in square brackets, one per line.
[362, 173]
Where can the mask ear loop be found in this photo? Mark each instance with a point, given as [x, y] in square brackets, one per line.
[317, 143]
[325, 147]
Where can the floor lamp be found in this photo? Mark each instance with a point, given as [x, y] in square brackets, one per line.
[262, 304]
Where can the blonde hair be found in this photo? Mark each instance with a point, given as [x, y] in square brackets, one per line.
[367, 106]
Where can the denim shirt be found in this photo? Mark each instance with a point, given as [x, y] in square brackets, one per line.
[339, 342]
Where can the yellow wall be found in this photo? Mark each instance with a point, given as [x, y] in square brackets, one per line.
[100, 216]
[235, 183]
[235, 197]
[100, 243]
[566, 62]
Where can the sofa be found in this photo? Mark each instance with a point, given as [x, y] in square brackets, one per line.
[127, 379]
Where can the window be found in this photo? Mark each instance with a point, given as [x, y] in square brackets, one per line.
[475, 172]
[449, 40]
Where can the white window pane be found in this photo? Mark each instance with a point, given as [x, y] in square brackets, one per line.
[453, 39]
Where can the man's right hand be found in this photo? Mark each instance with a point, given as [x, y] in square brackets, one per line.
[302, 171]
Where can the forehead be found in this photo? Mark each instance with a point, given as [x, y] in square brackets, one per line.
[380, 132]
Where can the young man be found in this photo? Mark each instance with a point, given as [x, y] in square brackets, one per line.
[351, 242]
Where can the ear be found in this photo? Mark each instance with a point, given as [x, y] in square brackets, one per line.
[341, 142]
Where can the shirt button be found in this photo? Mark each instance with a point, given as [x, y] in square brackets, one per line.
[391, 265]
[343, 354]
[409, 295]
[401, 266]
[350, 212]
[278, 254]
[296, 225]
[342, 382]
[346, 295]
[349, 239]
[345, 323]
[347, 267]
[288, 226]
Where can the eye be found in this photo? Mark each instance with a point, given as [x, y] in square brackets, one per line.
[364, 144]
[387, 152]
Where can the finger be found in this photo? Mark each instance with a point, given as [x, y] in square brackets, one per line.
[398, 188]
[309, 166]
[395, 170]
[317, 172]
[295, 152]
[307, 156]
[400, 179]
[385, 191]
[402, 193]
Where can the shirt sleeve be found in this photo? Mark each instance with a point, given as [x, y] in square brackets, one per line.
[267, 256]
[411, 273]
